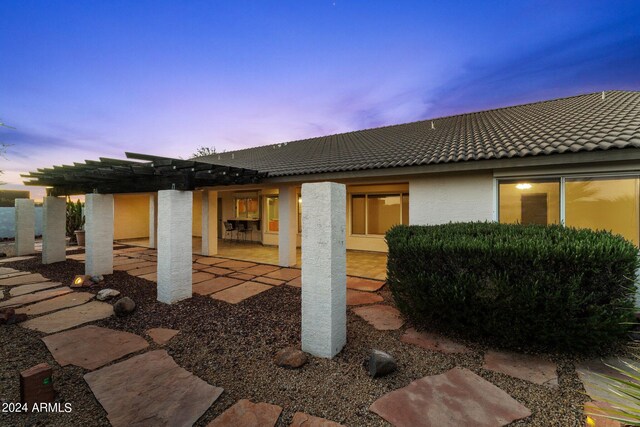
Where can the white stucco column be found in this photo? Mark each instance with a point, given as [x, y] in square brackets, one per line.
[98, 226]
[153, 220]
[54, 224]
[287, 227]
[324, 269]
[174, 245]
[25, 227]
[209, 223]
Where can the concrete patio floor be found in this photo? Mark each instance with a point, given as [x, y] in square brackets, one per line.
[372, 265]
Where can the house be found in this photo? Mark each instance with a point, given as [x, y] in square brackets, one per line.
[572, 160]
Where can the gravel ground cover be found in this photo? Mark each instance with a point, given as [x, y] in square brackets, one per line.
[232, 346]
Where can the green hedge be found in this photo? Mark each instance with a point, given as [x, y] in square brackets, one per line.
[518, 286]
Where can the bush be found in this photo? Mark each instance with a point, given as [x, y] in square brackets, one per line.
[75, 219]
[546, 287]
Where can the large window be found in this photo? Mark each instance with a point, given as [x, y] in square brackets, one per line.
[599, 203]
[530, 202]
[272, 214]
[603, 204]
[247, 208]
[374, 214]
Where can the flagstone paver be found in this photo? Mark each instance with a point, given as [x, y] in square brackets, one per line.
[23, 279]
[296, 283]
[241, 292]
[201, 276]
[8, 270]
[433, 341]
[211, 260]
[92, 346]
[197, 266]
[360, 284]
[261, 269]
[219, 271]
[131, 249]
[381, 317]
[236, 265]
[162, 336]
[242, 276]
[245, 413]
[301, 419]
[526, 367]
[133, 266]
[124, 261]
[215, 285]
[151, 276]
[70, 317]
[269, 281]
[76, 257]
[455, 398]
[590, 371]
[14, 274]
[144, 270]
[65, 301]
[362, 298]
[285, 274]
[596, 410]
[15, 258]
[38, 296]
[151, 389]
[32, 287]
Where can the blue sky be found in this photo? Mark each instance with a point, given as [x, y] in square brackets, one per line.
[87, 79]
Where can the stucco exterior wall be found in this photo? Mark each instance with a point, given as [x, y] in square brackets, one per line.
[197, 214]
[451, 198]
[131, 216]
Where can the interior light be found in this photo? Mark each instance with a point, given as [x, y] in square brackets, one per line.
[523, 186]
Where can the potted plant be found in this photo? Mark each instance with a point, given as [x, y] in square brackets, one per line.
[75, 222]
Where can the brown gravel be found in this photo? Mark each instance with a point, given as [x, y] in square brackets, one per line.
[232, 346]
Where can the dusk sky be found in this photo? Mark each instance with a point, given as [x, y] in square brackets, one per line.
[84, 79]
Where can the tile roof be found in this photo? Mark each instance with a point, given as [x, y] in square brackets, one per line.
[574, 124]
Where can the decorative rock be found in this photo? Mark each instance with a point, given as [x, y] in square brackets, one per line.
[381, 363]
[17, 318]
[124, 306]
[106, 294]
[97, 278]
[291, 358]
[248, 414]
[456, 398]
[6, 314]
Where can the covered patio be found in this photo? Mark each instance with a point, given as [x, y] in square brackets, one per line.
[371, 265]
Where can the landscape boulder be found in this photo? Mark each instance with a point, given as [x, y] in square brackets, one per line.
[106, 294]
[380, 363]
[291, 358]
[124, 306]
[6, 314]
[97, 278]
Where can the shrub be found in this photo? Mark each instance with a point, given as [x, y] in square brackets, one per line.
[533, 286]
[75, 219]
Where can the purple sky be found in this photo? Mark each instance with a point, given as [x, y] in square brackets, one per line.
[80, 80]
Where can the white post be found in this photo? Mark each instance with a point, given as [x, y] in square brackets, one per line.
[54, 214]
[174, 245]
[287, 230]
[98, 212]
[25, 227]
[209, 223]
[153, 220]
[324, 269]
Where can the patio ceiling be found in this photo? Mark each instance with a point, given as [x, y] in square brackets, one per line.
[146, 174]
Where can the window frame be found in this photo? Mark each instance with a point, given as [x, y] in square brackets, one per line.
[562, 178]
[400, 194]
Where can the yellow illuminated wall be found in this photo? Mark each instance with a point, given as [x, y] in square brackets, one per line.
[519, 199]
[130, 216]
[603, 204]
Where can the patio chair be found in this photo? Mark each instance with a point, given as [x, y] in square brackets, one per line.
[229, 228]
[242, 229]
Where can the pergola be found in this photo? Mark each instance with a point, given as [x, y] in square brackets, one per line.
[148, 174]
